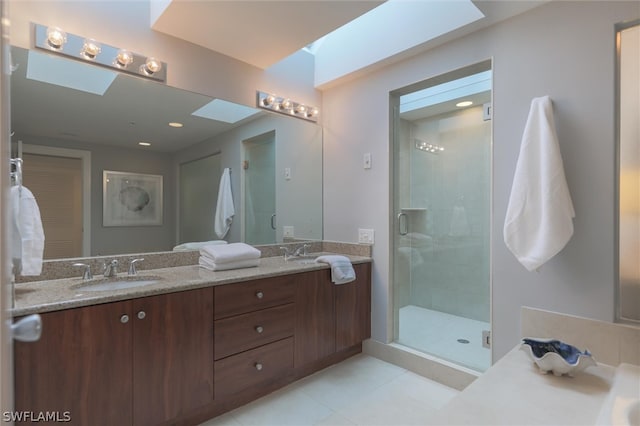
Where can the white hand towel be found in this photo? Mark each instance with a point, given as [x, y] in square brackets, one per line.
[233, 252]
[197, 245]
[224, 208]
[207, 263]
[341, 268]
[539, 220]
[28, 234]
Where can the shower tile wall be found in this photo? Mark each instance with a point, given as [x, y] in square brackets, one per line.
[448, 243]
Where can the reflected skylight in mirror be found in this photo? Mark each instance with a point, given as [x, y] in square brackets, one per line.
[70, 74]
[224, 111]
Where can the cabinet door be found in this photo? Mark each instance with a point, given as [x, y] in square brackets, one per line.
[81, 366]
[172, 355]
[315, 328]
[353, 309]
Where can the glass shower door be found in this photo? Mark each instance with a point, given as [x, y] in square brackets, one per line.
[441, 193]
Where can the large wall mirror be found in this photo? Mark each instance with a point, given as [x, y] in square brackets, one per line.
[77, 123]
[628, 136]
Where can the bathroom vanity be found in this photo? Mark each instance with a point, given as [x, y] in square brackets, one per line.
[195, 345]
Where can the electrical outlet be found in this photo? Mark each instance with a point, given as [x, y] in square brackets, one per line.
[365, 236]
[287, 231]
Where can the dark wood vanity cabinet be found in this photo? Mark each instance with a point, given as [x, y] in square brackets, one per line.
[153, 360]
[142, 361]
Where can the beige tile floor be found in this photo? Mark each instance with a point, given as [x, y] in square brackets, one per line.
[359, 391]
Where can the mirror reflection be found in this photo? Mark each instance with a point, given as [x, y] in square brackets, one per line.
[72, 122]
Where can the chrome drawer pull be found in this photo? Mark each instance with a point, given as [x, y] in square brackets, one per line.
[259, 329]
[258, 366]
[124, 319]
[141, 315]
[259, 295]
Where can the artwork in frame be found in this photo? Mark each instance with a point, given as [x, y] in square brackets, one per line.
[131, 199]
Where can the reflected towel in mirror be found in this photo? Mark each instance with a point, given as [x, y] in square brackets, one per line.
[224, 207]
[28, 234]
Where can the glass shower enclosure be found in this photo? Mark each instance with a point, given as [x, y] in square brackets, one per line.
[441, 137]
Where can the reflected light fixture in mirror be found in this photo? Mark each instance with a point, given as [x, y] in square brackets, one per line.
[55, 40]
[286, 106]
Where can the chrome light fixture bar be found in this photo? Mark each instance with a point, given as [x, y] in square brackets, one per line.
[286, 106]
[55, 40]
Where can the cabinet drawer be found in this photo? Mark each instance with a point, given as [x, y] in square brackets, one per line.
[242, 332]
[240, 298]
[251, 368]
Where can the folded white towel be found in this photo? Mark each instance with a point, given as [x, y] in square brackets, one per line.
[341, 268]
[539, 220]
[28, 234]
[226, 253]
[207, 263]
[197, 245]
[224, 207]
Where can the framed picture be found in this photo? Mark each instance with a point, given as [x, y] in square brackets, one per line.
[131, 199]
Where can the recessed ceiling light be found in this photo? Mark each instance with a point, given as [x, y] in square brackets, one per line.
[144, 144]
[176, 124]
[464, 104]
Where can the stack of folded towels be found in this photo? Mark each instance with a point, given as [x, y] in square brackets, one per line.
[228, 256]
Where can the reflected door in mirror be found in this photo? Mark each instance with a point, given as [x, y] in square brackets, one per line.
[260, 190]
[199, 181]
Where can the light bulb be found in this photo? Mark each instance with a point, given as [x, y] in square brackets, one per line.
[286, 104]
[90, 49]
[301, 109]
[124, 58]
[151, 66]
[269, 100]
[56, 38]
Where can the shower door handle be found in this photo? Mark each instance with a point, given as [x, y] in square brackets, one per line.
[273, 221]
[402, 230]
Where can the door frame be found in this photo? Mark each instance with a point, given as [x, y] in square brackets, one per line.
[85, 158]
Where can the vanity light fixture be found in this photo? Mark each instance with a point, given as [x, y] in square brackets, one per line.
[283, 105]
[54, 40]
[464, 104]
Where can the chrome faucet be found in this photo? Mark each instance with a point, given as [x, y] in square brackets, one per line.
[132, 266]
[110, 269]
[86, 271]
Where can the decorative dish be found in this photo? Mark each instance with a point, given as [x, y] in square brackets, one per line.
[551, 355]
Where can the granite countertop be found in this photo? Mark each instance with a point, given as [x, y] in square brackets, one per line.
[513, 391]
[52, 295]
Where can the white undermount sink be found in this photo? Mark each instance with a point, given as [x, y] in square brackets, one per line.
[117, 283]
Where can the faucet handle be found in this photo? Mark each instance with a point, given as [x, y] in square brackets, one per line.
[86, 272]
[132, 266]
[287, 253]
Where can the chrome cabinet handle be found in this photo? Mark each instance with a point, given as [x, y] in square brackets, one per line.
[259, 329]
[124, 319]
[142, 315]
[258, 366]
[273, 221]
[259, 294]
[402, 230]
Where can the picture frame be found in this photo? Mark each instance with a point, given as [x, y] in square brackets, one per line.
[131, 199]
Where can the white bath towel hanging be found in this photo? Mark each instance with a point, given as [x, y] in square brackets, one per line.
[224, 208]
[539, 220]
[28, 234]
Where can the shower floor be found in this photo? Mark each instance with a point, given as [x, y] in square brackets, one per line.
[437, 333]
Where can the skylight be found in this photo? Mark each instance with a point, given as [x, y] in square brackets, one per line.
[71, 74]
[224, 111]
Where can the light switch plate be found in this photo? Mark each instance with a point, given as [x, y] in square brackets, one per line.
[366, 161]
[287, 173]
[365, 236]
[287, 231]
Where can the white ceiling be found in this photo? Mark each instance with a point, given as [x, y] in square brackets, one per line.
[259, 33]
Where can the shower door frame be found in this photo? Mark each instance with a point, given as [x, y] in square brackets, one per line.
[394, 104]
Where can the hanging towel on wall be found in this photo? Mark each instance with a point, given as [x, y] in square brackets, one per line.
[539, 220]
[27, 232]
[224, 207]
